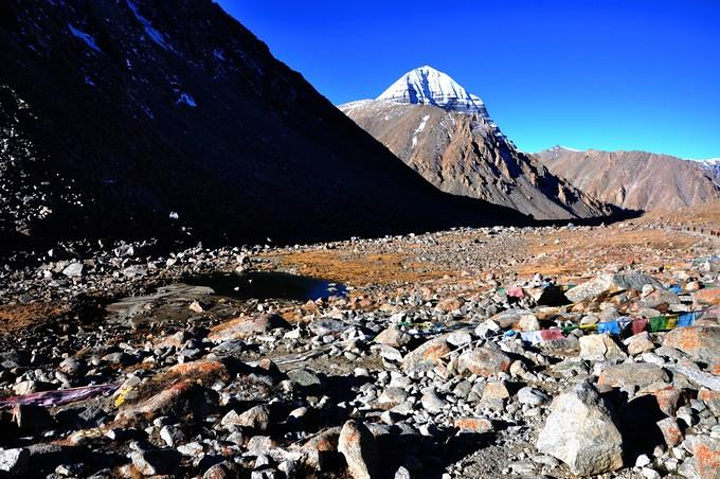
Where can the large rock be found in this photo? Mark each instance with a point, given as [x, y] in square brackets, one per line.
[304, 378]
[184, 397]
[707, 455]
[321, 447]
[707, 296]
[695, 375]
[532, 396]
[712, 399]
[702, 342]
[223, 470]
[607, 284]
[510, 317]
[561, 347]
[257, 418]
[671, 431]
[639, 343]
[328, 326]
[393, 337]
[431, 402]
[426, 356]
[582, 433]
[13, 462]
[600, 347]
[629, 376]
[245, 327]
[358, 446]
[484, 361]
[156, 461]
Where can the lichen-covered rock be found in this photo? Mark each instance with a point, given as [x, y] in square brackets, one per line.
[701, 342]
[358, 446]
[707, 456]
[426, 356]
[484, 361]
[476, 425]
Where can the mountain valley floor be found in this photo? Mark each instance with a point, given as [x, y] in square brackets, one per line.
[549, 352]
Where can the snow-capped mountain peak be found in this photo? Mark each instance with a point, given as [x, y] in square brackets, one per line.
[428, 86]
[712, 165]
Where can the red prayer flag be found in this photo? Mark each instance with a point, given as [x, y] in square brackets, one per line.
[639, 325]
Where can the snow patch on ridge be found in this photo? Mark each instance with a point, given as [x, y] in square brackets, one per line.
[85, 37]
[422, 124]
[186, 99]
[419, 129]
[153, 34]
[567, 148]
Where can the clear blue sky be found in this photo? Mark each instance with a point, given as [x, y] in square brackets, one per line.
[604, 74]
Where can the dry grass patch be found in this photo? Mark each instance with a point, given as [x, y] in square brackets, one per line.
[359, 269]
[17, 317]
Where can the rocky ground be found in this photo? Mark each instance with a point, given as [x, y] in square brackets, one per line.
[514, 353]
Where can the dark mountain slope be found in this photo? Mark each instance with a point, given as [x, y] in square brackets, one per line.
[121, 113]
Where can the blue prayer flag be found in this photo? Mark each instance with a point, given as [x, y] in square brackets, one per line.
[687, 319]
[611, 327]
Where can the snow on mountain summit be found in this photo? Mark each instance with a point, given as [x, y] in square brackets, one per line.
[428, 86]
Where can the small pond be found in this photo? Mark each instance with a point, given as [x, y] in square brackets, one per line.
[268, 285]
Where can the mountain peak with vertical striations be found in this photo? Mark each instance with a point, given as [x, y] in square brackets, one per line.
[428, 86]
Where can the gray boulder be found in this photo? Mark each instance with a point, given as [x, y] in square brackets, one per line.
[582, 433]
[607, 284]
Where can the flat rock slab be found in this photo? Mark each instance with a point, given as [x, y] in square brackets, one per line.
[131, 306]
[607, 284]
[245, 327]
[629, 376]
[701, 342]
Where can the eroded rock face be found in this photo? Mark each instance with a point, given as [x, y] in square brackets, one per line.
[582, 433]
[466, 154]
[634, 179]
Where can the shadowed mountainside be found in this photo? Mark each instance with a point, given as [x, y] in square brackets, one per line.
[132, 119]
